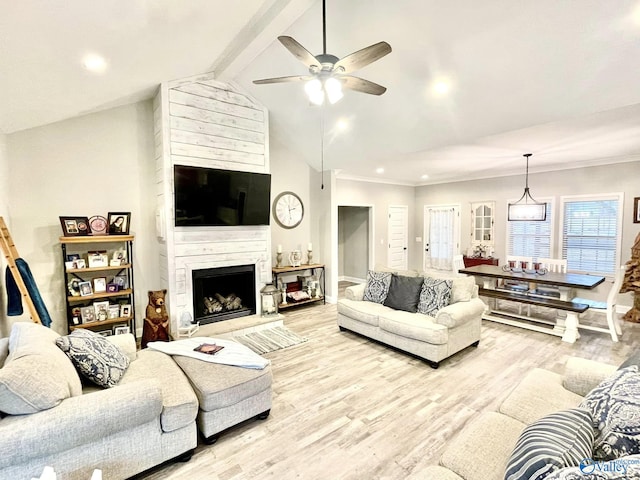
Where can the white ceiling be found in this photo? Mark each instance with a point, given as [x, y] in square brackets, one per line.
[557, 78]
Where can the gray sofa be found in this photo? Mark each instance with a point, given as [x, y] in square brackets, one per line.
[432, 338]
[481, 451]
[148, 418]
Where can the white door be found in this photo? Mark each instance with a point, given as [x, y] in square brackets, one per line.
[441, 235]
[398, 232]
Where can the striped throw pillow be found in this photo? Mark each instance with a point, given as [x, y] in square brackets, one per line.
[561, 439]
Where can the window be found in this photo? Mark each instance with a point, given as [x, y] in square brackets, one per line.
[591, 233]
[530, 239]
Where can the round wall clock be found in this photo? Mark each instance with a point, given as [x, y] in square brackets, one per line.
[288, 210]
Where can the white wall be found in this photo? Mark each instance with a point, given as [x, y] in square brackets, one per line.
[288, 173]
[622, 177]
[381, 196]
[4, 212]
[87, 165]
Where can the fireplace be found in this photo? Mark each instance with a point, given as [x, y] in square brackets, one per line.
[223, 293]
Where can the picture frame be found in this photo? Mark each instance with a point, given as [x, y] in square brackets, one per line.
[100, 284]
[104, 333]
[121, 329]
[112, 287]
[118, 223]
[636, 210]
[74, 287]
[85, 289]
[98, 259]
[114, 311]
[76, 315]
[88, 314]
[121, 282]
[75, 226]
[102, 309]
[125, 311]
[80, 263]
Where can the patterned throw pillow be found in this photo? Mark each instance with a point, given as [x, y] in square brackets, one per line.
[615, 408]
[377, 287]
[434, 295]
[95, 357]
[561, 439]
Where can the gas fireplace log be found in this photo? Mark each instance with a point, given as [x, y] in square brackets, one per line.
[211, 306]
[231, 302]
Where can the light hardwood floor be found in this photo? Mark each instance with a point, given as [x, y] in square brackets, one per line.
[348, 408]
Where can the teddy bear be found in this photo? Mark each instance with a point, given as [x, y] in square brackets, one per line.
[156, 321]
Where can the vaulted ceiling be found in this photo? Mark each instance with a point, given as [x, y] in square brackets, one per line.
[557, 78]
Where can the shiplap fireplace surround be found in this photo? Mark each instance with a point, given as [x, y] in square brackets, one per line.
[206, 123]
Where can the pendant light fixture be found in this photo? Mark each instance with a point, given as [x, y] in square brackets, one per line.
[527, 208]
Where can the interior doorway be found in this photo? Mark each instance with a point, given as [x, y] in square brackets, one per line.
[355, 242]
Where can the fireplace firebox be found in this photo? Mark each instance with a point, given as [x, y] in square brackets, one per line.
[223, 293]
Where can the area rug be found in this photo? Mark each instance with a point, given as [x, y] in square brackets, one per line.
[270, 339]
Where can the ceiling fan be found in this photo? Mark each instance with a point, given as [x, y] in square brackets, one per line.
[328, 74]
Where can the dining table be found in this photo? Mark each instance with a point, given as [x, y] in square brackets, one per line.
[536, 288]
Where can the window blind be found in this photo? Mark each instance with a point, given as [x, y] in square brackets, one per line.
[590, 234]
[530, 239]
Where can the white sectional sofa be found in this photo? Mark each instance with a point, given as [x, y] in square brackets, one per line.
[430, 337]
[482, 450]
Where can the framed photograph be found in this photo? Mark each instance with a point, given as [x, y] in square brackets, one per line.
[121, 281]
[98, 259]
[75, 226]
[125, 311]
[102, 309]
[636, 210]
[114, 311]
[104, 333]
[73, 256]
[76, 315]
[74, 287]
[80, 263]
[88, 314]
[119, 223]
[112, 287]
[120, 329]
[119, 258]
[85, 289]
[100, 284]
[98, 225]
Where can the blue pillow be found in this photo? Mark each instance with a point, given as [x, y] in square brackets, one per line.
[95, 357]
[615, 408]
[561, 439]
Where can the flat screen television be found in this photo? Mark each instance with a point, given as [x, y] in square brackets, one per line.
[212, 197]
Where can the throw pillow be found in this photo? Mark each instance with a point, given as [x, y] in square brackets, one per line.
[404, 293]
[561, 439]
[95, 357]
[463, 289]
[434, 295]
[377, 286]
[615, 408]
[36, 375]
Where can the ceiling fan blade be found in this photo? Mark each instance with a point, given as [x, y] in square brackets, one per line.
[362, 58]
[299, 51]
[297, 78]
[362, 85]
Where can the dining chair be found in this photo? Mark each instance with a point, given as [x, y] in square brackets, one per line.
[457, 263]
[608, 308]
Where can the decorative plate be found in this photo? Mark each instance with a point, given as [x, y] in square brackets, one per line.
[98, 225]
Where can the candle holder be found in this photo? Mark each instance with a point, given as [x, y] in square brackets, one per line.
[309, 257]
[278, 259]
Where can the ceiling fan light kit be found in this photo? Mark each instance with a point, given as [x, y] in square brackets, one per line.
[328, 75]
[527, 209]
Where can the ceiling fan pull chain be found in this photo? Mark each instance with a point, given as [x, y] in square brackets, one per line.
[322, 110]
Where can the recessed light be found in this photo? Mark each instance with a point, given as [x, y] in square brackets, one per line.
[94, 63]
[380, 170]
[424, 177]
[441, 87]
